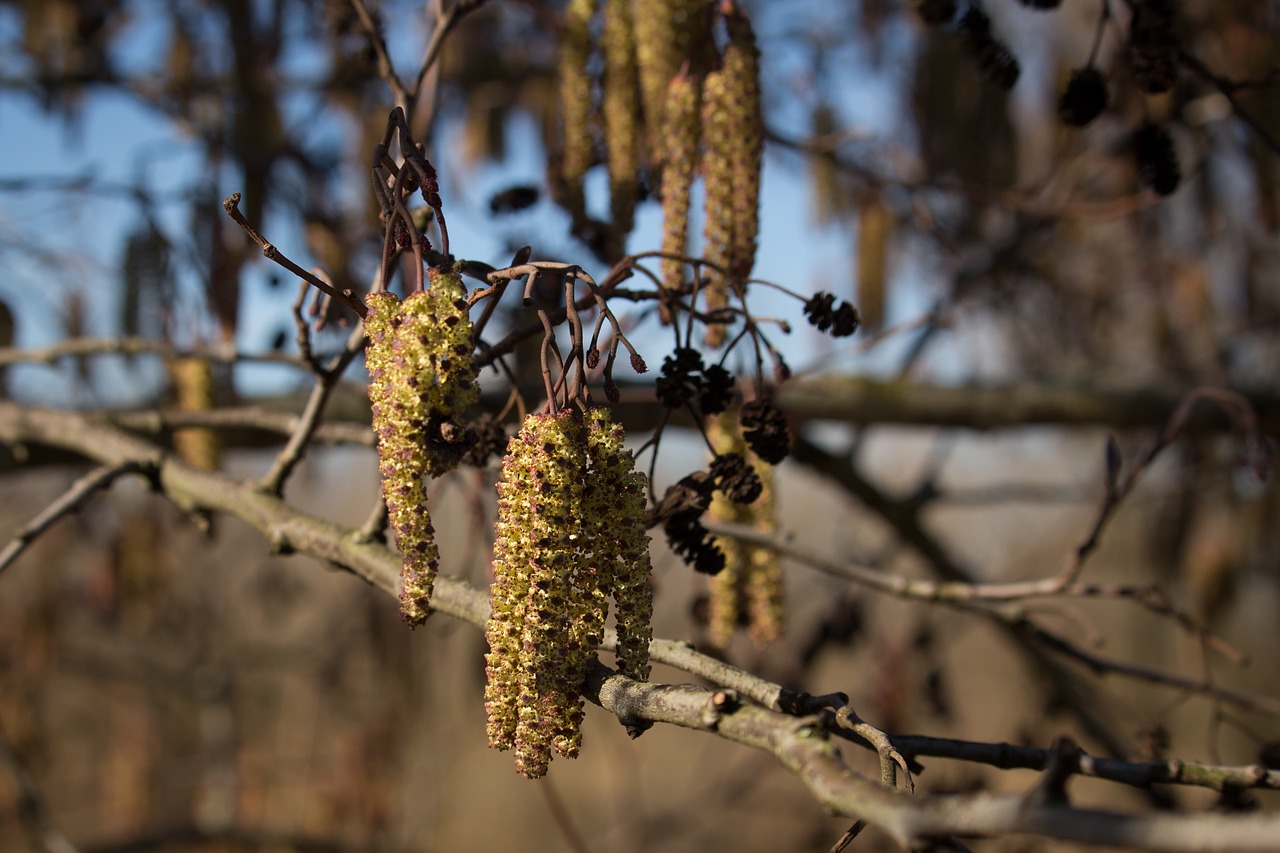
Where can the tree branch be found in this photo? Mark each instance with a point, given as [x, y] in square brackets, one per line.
[801, 744]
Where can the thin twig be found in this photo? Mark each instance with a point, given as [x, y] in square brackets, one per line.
[346, 297]
[67, 503]
[309, 421]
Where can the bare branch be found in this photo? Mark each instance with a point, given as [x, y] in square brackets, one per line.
[799, 743]
[69, 502]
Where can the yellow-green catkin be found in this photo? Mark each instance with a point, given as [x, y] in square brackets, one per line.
[193, 389]
[621, 107]
[680, 154]
[444, 332]
[421, 379]
[763, 587]
[532, 685]
[741, 68]
[726, 586]
[576, 102]
[570, 535]
[401, 451]
[750, 585]
[669, 34]
[718, 214]
[616, 503]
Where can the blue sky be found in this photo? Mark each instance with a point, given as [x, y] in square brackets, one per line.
[116, 140]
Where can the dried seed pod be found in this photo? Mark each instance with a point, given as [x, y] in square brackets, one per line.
[680, 155]
[1157, 158]
[621, 105]
[765, 429]
[1085, 97]
[576, 103]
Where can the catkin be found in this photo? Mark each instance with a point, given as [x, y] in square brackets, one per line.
[750, 585]
[397, 419]
[421, 380]
[621, 108]
[680, 153]
[718, 216]
[570, 535]
[742, 87]
[669, 33]
[576, 102]
[622, 549]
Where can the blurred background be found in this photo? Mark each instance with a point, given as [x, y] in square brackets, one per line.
[164, 687]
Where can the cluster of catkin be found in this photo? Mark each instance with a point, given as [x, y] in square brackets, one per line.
[570, 535]
[672, 106]
[748, 590]
[421, 380]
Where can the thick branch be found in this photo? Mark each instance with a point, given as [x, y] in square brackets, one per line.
[801, 744]
[985, 407]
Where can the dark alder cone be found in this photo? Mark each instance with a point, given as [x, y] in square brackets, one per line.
[688, 537]
[679, 381]
[936, 11]
[717, 390]
[1153, 50]
[994, 59]
[821, 312]
[765, 429]
[735, 478]
[1157, 158]
[1084, 98]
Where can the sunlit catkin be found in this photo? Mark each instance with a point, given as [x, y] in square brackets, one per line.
[575, 102]
[763, 587]
[680, 153]
[616, 500]
[621, 106]
[532, 684]
[442, 324]
[421, 380]
[749, 588]
[718, 215]
[570, 535]
[741, 69]
[875, 228]
[726, 586]
[669, 34]
[397, 417]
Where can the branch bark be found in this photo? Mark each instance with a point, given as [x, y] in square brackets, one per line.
[801, 744]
